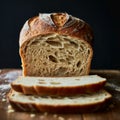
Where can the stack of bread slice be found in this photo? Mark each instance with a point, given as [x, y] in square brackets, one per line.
[56, 53]
[57, 95]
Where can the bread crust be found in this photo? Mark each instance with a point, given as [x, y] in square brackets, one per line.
[33, 107]
[39, 25]
[58, 91]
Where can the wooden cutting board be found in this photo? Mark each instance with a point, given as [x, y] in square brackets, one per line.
[112, 112]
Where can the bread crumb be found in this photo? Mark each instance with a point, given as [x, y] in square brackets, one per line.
[10, 111]
[3, 100]
[61, 118]
[32, 115]
[9, 107]
[55, 115]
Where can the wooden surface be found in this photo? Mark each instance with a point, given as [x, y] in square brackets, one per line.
[112, 112]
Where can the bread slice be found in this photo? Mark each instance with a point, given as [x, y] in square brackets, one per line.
[60, 86]
[56, 44]
[81, 103]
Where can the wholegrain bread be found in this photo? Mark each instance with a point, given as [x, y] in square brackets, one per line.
[56, 44]
[81, 103]
[58, 86]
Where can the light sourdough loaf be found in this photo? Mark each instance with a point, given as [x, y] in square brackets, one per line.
[56, 44]
[56, 53]
[75, 104]
[58, 86]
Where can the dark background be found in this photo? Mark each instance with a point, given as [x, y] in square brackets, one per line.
[102, 15]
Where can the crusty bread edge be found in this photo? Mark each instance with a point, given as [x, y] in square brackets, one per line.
[58, 91]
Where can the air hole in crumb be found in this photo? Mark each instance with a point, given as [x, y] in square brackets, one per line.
[69, 58]
[81, 70]
[34, 59]
[66, 45]
[66, 39]
[13, 95]
[88, 51]
[62, 60]
[55, 83]
[81, 48]
[61, 48]
[44, 63]
[54, 43]
[61, 71]
[52, 58]
[96, 98]
[35, 42]
[48, 50]
[31, 98]
[74, 44]
[56, 53]
[69, 52]
[42, 82]
[78, 64]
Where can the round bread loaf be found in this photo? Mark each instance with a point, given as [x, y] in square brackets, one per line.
[56, 44]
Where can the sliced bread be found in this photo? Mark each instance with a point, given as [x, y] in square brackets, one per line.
[81, 103]
[60, 86]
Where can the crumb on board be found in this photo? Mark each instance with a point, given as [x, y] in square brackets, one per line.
[32, 115]
[3, 100]
[10, 111]
[61, 118]
[9, 107]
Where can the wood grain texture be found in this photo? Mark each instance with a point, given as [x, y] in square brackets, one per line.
[112, 112]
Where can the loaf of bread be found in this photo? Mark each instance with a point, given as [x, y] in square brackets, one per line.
[58, 86]
[56, 53]
[80, 103]
[56, 44]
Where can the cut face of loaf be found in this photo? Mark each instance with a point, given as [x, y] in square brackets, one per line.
[56, 55]
[56, 45]
[58, 86]
[80, 103]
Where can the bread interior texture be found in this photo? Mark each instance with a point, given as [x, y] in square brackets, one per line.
[56, 55]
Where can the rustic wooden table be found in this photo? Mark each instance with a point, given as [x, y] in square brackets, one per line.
[112, 112]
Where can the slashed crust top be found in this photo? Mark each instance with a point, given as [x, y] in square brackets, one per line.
[59, 23]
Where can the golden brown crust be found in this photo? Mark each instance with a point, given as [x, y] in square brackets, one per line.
[58, 91]
[51, 23]
[59, 109]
